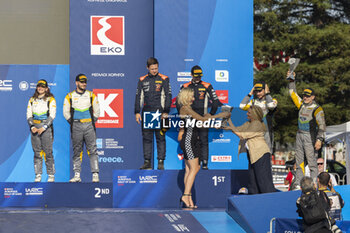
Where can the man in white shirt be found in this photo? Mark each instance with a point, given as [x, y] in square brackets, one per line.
[320, 166]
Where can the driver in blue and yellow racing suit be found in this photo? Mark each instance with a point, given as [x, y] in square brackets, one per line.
[81, 109]
[41, 112]
[311, 130]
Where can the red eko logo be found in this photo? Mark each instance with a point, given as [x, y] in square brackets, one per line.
[223, 96]
[111, 108]
[107, 35]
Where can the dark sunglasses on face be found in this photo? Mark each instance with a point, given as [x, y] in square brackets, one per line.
[319, 164]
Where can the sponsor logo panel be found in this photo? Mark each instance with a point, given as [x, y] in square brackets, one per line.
[148, 179]
[221, 75]
[151, 120]
[121, 180]
[108, 143]
[8, 192]
[184, 76]
[23, 85]
[111, 108]
[111, 159]
[221, 139]
[107, 35]
[221, 158]
[107, 75]
[223, 96]
[5, 85]
[34, 191]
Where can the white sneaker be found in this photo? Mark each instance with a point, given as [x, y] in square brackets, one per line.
[76, 178]
[51, 178]
[95, 177]
[37, 178]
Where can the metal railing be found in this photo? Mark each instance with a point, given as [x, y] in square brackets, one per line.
[271, 225]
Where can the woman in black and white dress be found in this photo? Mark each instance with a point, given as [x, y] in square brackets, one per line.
[187, 138]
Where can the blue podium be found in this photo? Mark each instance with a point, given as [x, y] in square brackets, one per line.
[163, 189]
[129, 189]
[54, 195]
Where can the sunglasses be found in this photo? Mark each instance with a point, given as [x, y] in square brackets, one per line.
[319, 163]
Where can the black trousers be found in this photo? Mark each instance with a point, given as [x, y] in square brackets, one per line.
[260, 175]
[147, 137]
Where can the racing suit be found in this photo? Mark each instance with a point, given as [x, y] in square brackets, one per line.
[153, 94]
[40, 113]
[203, 94]
[311, 127]
[268, 105]
[82, 110]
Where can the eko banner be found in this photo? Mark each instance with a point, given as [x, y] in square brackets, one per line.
[110, 42]
[218, 36]
[17, 85]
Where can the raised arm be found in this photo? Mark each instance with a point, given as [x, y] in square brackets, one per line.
[246, 102]
[293, 93]
[233, 128]
[271, 103]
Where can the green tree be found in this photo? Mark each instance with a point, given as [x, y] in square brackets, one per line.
[317, 32]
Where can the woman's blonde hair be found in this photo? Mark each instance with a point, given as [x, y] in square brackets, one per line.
[185, 96]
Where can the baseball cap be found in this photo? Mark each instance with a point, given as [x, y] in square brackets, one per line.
[308, 92]
[259, 85]
[41, 83]
[243, 191]
[81, 78]
[196, 71]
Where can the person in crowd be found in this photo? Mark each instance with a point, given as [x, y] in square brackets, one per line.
[336, 203]
[262, 98]
[187, 138]
[41, 112]
[311, 129]
[204, 94]
[81, 109]
[253, 142]
[312, 208]
[321, 168]
[290, 179]
[153, 94]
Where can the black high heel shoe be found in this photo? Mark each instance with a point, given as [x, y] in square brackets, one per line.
[193, 206]
[183, 204]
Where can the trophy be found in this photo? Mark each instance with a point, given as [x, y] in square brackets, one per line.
[293, 63]
[225, 108]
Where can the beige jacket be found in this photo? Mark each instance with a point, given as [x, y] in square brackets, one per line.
[252, 133]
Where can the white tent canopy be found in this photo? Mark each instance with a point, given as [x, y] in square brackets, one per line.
[341, 133]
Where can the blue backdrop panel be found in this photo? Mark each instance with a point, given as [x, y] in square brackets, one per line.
[113, 73]
[17, 85]
[162, 189]
[53, 195]
[218, 36]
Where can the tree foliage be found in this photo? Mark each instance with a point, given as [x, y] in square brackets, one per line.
[317, 32]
